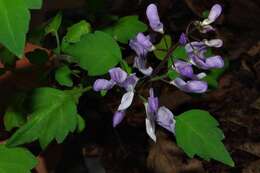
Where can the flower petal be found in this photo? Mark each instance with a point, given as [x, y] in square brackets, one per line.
[150, 123]
[153, 102]
[154, 19]
[213, 43]
[166, 119]
[193, 86]
[118, 75]
[140, 64]
[103, 84]
[126, 101]
[213, 14]
[145, 41]
[130, 82]
[183, 68]
[118, 117]
[183, 39]
[215, 62]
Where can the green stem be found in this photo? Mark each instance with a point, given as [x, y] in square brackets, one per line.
[58, 42]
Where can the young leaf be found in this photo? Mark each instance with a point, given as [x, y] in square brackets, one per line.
[197, 133]
[63, 76]
[54, 115]
[14, 19]
[96, 53]
[16, 160]
[54, 25]
[180, 53]
[34, 4]
[126, 28]
[162, 47]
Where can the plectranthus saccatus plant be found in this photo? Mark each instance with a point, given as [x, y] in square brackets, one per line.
[189, 65]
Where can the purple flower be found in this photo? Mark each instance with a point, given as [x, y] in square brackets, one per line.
[213, 43]
[183, 39]
[183, 68]
[140, 64]
[193, 86]
[214, 13]
[117, 75]
[153, 17]
[141, 44]
[130, 82]
[196, 52]
[118, 117]
[103, 84]
[160, 115]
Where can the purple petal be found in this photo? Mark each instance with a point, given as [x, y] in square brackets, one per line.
[140, 64]
[153, 17]
[118, 117]
[213, 43]
[118, 75]
[215, 62]
[153, 102]
[103, 84]
[165, 119]
[183, 68]
[130, 82]
[138, 48]
[145, 41]
[126, 101]
[206, 28]
[195, 46]
[213, 14]
[193, 86]
[183, 39]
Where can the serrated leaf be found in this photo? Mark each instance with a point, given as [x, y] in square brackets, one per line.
[53, 116]
[63, 76]
[162, 47]
[14, 19]
[16, 160]
[197, 133]
[34, 4]
[96, 53]
[126, 28]
[54, 24]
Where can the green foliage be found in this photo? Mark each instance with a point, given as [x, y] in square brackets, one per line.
[38, 56]
[162, 47]
[16, 160]
[34, 4]
[7, 57]
[14, 19]
[63, 76]
[81, 124]
[96, 53]
[180, 53]
[172, 74]
[53, 115]
[126, 28]
[197, 133]
[54, 25]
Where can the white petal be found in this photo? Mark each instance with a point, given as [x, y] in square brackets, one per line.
[126, 101]
[150, 130]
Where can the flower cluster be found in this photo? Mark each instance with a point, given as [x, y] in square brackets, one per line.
[189, 81]
[196, 56]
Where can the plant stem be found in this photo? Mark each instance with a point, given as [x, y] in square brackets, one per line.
[58, 42]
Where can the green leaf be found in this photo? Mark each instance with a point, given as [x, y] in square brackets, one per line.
[7, 57]
[53, 115]
[76, 31]
[13, 118]
[172, 74]
[180, 53]
[63, 76]
[197, 133]
[14, 19]
[54, 24]
[16, 160]
[96, 53]
[126, 28]
[162, 47]
[125, 66]
[212, 81]
[38, 56]
[81, 124]
[34, 4]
